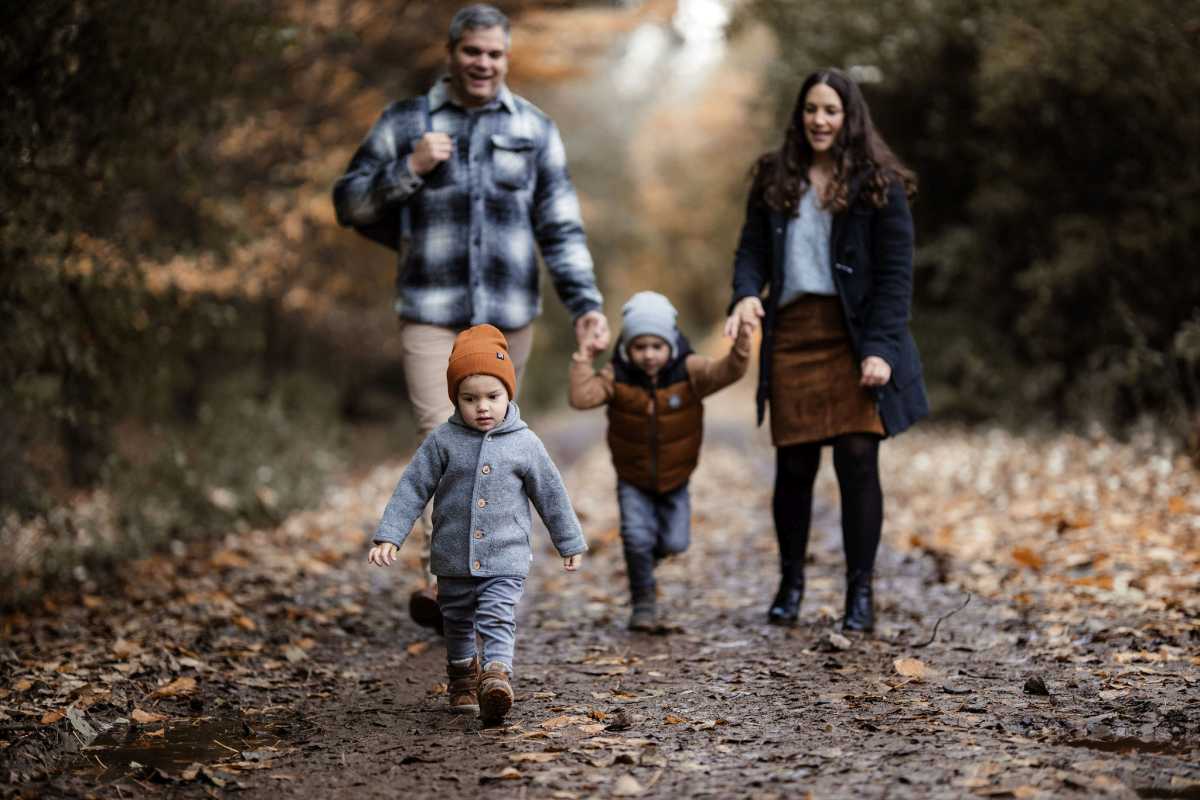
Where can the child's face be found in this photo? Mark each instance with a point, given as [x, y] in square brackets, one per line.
[482, 401]
[649, 353]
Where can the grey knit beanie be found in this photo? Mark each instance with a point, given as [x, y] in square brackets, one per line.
[649, 313]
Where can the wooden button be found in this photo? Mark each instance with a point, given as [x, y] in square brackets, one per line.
[481, 502]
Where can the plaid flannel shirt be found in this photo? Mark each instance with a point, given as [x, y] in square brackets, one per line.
[473, 222]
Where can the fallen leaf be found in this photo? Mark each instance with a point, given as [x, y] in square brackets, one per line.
[506, 774]
[532, 758]
[1035, 685]
[158, 734]
[627, 786]
[146, 717]
[1027, 558]
[123, 648]
[674, 719]
[835, 641]
[294, 654]
[911, 668]
[245, 623]
[23, 685]
[562, 721]
[51, 717]
[593, 729]
[177, 687]
[416, 648]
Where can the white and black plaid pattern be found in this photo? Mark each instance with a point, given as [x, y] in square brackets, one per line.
[476, 222]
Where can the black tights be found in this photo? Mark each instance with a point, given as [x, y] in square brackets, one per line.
[856, 461]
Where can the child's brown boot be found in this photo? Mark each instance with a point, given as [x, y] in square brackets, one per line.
[464, 682]
[495, 693]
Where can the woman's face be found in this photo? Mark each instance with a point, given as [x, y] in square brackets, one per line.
[823, 117]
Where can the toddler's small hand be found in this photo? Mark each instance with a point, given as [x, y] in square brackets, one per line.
[571, 563]
[382, 554]
[745, 331]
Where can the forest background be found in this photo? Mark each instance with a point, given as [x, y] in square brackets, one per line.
[190, 345]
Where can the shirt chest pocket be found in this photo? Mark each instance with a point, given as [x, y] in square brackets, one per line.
[512, 161]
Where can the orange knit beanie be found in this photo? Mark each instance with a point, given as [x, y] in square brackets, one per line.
[480, 350]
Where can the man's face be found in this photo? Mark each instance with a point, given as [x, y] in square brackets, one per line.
[478, 64]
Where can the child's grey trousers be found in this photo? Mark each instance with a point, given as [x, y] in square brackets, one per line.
[653, 526]
[486, 605]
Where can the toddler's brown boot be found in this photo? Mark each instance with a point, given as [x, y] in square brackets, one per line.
[464, 682]
[495, 693]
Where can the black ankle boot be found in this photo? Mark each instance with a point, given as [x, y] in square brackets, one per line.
[860, 604]
[785, 608]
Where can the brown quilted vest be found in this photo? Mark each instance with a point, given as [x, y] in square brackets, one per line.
[655, 446]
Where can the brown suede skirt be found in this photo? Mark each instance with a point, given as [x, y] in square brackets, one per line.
[814, 376]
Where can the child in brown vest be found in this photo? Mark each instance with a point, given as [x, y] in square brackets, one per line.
[653, 388]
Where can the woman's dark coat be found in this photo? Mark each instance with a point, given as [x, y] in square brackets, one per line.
[871, 249]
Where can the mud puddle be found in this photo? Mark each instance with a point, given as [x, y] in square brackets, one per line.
[169, 751]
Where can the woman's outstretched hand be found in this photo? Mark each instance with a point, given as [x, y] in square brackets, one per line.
[875, 372]
[748, 309]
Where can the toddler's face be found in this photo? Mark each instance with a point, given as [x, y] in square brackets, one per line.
[649, 353]
[482, 401]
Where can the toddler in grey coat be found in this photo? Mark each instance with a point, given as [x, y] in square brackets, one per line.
[482, 468]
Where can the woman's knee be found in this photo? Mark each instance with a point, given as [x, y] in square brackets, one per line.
[797, 462]
[856, 454]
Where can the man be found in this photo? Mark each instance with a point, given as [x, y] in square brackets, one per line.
[478, 176]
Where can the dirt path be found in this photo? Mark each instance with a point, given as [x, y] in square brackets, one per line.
[281, 666]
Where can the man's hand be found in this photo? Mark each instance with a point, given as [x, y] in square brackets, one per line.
[432, 149]
[875, 372]
[571, 563]
[592, 329]
[382, 554]
[749, 310]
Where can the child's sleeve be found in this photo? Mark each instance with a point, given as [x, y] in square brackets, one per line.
[709, 375]
[544, 486]
[416, 486]
[589, 388]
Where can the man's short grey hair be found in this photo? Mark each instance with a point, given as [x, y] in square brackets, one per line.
[475, 17]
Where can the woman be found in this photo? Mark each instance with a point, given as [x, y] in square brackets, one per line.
[829, 234]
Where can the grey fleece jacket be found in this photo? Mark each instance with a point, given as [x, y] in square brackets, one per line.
[481, 484]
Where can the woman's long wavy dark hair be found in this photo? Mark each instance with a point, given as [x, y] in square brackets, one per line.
[781, 176]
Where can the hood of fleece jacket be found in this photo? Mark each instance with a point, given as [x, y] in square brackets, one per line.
[511, 423]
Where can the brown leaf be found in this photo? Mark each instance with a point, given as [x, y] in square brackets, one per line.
[532, 758]
[562, 721]
[177, 687]
[1027, 558]
[23, 685]
[245, 623]
[229, 559]
[675, 719]
[593, 729]
[146, 717]
[123, 648]
[911, 668]
[416, 648]
[51, 717]
[506, 774]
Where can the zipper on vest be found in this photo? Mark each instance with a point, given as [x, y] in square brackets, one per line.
[654, 432]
